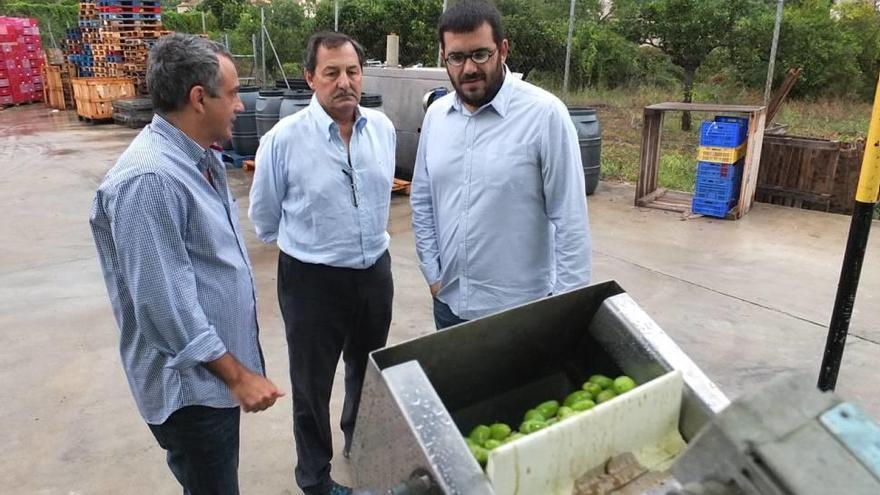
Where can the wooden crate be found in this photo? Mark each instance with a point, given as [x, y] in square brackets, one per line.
[648, 192]
[102, 88]
[94, 96]
[94, 110]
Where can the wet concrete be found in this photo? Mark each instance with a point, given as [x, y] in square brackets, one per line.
[745, 299]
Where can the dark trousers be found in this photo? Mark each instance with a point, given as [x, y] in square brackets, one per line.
[329, 311]
[202, 448]
[443, 315]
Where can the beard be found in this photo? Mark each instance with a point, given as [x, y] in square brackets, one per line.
[478, 97]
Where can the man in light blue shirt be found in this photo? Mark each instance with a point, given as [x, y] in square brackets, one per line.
[177, 271]
[322, 191]
[499, 208]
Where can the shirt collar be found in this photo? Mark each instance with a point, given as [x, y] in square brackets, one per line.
[326, 122]
[500, 103]
[190, 148]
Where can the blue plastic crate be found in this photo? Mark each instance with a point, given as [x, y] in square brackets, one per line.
[712, 170]
[711, 208]
[722, 134]
[717, 192]
[743, 121]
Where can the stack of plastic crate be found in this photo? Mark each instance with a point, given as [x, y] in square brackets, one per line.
[21, 57]
[720, 169]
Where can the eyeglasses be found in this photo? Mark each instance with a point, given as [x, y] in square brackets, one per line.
[481, 56]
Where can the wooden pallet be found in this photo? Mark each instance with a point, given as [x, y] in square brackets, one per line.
[401, 186]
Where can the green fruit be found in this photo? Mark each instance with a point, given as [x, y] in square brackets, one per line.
[602, 380]
[499, 431]
[491, 444]
[592, 388]
[565, 412]
[623, 384]
[605, 396]
[470, 442]
[480, 434]
[533, 415]
[583, 406]
[548, 409]
[513, 436]
[577, 396]
[552, 421]
[532, 426]
[481, 454]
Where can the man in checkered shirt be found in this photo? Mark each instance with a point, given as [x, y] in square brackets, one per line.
[177, 271]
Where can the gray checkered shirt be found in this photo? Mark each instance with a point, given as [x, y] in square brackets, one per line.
[177, 271]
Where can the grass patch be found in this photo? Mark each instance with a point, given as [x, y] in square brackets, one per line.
[620, 115]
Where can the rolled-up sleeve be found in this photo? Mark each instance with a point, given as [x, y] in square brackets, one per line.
[424, 225]
[148, 223]
[566, 200]
[267, 191]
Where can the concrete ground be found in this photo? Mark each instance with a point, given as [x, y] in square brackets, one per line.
[746, 300]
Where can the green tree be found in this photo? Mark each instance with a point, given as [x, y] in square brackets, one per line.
[687, 31]
[829, 51]
[227, 12]
[537, 37]
[860, 20]
[54, 18]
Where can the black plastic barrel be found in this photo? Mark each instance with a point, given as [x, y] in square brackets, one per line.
[295, 84]
[268, 105]
[373, 101]
[590, 139]
[292, 102]
[244, 131]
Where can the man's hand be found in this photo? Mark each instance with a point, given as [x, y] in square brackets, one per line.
[435, 288]
[254, 392]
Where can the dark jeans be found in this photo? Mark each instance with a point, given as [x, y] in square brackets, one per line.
[202, 448]
[443, 315]
[329, 311]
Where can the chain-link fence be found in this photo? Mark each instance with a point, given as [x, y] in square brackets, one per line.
[552, 42]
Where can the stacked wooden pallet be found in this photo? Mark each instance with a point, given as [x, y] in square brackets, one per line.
[114, 37]
[129, 28]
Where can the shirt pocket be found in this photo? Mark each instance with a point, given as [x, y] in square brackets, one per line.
[510, 166]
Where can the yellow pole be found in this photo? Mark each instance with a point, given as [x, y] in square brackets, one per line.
[854, 255]
[869, 177]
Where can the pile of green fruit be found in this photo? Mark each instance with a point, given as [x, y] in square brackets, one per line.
[596, 390]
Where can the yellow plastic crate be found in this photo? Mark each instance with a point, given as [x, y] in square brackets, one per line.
[721, 155]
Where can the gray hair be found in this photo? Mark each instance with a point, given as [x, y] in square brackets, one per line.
[177, 63]
[329, 40]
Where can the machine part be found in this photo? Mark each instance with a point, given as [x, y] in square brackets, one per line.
[642, 422]
[402, 91]
[858, 433]
[421, 394]
[432, 96]
[408, 429]
[786, 438]
[420, 482]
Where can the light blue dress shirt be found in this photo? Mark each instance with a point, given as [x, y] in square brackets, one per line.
[177, 271]
[499, 209]
[321, 204]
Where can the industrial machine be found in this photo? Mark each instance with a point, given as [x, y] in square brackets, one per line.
[674, 434]
[403, 91]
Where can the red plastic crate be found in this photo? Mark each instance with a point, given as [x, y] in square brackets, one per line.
[5, 91]
[6, 100]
